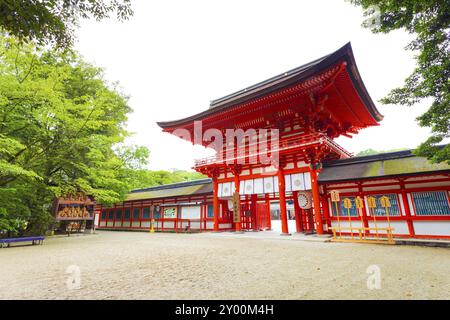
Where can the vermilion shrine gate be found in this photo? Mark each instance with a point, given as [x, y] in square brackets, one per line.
[307, 107]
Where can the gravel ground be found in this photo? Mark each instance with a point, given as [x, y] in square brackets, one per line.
[135, 265]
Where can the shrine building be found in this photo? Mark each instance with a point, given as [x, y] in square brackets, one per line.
[277, 161]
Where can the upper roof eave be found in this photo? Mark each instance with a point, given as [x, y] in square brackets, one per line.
[283, 80]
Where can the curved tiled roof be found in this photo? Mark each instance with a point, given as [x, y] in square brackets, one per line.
[390, 164]
[284, 80]
[195, 187]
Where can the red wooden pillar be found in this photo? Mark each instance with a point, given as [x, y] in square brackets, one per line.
[237, 190]
[216, 204]
[114, 216]
[316, 201]
[326, 212]
[409, 221]
[282, 197]
[304, 219]
[269, 217]
[254, 208]
[161, 214]
[100, 216]
[298, 217]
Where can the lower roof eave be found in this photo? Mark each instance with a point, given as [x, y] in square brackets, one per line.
[391, 176]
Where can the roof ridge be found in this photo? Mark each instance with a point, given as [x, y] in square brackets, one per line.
[372, 157]
[284, 80]
[214, 102]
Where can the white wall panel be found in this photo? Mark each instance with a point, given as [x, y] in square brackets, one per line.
[219, 191]
[248, 187]
[432, 228]
[307, 177]
[169, 224]
[258, 186]
[298, 182]
[226, 189]
[190, 212]
[268, 185]
[287, 182]
[400, 227]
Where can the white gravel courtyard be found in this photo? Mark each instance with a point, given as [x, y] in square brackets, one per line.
[140, 265]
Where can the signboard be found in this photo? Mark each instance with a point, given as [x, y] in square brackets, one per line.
[385, 202]
[72, 212]
[170, 212]
[236, 207]
[359, 202]
[74, 207]
[347, 203]
[371, 202]
[334, 194]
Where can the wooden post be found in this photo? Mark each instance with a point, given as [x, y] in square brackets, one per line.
[254, 208]
[326, 212]
[316, 201]
[269, 217]
[216, 204]
[282, 197]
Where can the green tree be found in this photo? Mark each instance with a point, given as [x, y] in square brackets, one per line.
[429, 22]
[53, 22]
[62, 130]
[146, 178]
[369, 152]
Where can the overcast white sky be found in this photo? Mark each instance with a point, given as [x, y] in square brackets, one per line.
[174, 56]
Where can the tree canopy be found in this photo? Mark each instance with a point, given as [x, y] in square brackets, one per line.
[53, 22]
[61, 131]
[145, 178]
[429, 22]
[369, 152]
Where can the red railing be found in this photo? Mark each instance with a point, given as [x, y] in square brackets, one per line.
[284, 145]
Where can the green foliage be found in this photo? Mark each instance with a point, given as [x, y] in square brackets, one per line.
[53, 22]
[429, 22]
[369, 152]
[61, 131]
[146, 178]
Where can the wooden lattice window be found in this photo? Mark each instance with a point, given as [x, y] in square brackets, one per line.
[433, 203]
